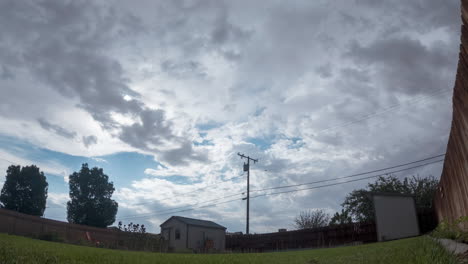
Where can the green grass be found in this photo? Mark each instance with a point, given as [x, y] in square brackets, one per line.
[14, 249]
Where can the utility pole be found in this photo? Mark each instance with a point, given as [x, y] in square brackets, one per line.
[247, 169]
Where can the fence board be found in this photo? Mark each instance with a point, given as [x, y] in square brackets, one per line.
[15, 223]
[451, 199]
[308, 238]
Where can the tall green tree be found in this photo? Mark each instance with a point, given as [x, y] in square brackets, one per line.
[90, 198]
[359, 202]
[25, 190]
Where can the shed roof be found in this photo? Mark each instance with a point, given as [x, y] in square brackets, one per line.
[195, 222]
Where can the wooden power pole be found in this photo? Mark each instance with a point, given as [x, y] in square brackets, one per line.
[247, 169]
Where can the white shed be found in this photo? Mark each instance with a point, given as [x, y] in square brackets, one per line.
[182, 233]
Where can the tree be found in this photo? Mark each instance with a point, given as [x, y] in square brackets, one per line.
[90, 198]
[132, 228]
[311, 219]
[25, 190]
[341, 218]
[359, 202]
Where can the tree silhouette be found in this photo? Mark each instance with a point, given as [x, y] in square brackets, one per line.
[311, 219]
[358, 204]
[90, 198]
[25, 190]
[341, 218]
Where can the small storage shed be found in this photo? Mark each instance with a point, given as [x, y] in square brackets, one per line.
[182, 233]
[395, 216]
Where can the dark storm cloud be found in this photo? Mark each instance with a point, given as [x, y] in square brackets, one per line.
[56, 129]
[154, 129]
[324, 71]
[89, 140]
[64, 45]
[183, 70]
[184, 154]
[422, 15]
[6, 73]
[406, 65]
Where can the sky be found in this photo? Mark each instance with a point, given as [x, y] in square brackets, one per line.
[163, 95]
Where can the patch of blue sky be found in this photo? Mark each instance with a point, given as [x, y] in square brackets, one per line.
[125, 167]
[204, 143]
[259, 111]
[180, 180]
[208, 126]
[262, 143]
[122, 168]
[296, 143]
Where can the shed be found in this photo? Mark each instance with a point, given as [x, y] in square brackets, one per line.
[183, 233]
[395, 216]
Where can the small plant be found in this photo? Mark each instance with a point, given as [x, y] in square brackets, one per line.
[138, 238]
[452, 230]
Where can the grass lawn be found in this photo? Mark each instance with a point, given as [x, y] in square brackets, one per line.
[14, 249]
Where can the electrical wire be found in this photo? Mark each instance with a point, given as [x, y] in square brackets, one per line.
[289, 191]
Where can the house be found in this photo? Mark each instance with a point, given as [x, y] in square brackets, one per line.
[182, 234]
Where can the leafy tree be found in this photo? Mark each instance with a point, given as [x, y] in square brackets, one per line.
[90, 198]
[311, 219]
[25, 190]
[132, 228]
[341, 218]
[359, 202]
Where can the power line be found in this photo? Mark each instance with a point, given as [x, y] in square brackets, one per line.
[196, 190]
[365, 117]
[180, 207]
[385, 110]
[349, 176]
[185, 210]
[333, 184]
[247, 168]
[291, 191]
[11, 162]
[302, 184]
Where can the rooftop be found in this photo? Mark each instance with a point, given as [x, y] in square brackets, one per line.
[195, 222]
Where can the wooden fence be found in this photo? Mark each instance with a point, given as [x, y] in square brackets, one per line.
[330, 236]
[308, 238]
[15, 223]
[451, 199]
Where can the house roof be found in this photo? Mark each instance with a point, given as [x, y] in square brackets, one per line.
[195, 222]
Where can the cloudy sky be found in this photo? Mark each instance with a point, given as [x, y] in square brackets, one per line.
[164, 94]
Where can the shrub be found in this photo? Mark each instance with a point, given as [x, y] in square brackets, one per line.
[452, 230]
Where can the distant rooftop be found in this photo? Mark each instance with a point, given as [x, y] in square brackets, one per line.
[195, 222]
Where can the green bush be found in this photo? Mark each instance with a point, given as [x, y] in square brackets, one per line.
[452, 230]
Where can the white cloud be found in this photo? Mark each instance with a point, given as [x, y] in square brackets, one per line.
[327, 88]
[48, 167]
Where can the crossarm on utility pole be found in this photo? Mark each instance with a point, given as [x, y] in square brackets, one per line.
[247, 168]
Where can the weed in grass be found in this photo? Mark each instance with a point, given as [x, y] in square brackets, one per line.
[452, 230]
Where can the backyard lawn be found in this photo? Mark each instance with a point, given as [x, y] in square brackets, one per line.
[14, 249]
